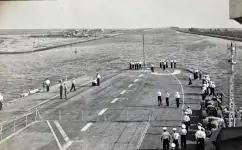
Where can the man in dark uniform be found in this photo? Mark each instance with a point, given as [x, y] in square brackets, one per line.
[174, 63]
[167, 63]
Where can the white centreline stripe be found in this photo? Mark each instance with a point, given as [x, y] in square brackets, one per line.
[86, 126]
[58, 143]
[67, 145]
[102, 111]
[141, 75]
[114, 100]
[61, 131]
[123, 92]
[130, 85]
[136, 80]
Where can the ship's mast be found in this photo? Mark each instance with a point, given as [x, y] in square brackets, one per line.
[232, 51]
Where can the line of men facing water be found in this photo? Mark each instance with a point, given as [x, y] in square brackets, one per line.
[135, 65]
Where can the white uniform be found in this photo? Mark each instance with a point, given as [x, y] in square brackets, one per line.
[1, 98]
[159, 93]
[189, 111]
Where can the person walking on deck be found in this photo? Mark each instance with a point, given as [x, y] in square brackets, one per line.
[165, 139]
[98, 79]
[61, 89]
[167, 98]
[183, 134]
[159, 98]
[190, 80]
[65, 90]
[186, 120]
[212, 89]
[73, 85]
[177, 96]
[1, 101]
[175, 137]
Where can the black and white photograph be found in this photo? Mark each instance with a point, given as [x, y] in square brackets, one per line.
[120, 75]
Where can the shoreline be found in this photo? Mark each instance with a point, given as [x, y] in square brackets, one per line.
[61, 45]
[211, 35]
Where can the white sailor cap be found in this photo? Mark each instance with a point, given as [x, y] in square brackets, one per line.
[173, 145]
[188, 106]
[199, 127]
[174, 129]
[183, 126]
[164, 128]
[185, 113]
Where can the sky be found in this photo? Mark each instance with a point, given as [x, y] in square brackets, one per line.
[115, 14]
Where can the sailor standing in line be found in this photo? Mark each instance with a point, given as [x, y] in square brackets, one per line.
[159, 98]
[140, 64]
[167, 98]
[160, 64]
[183, 134]
[212, 89]
[200, 136]
[47, 83]
[167, 63]
[165, 138]
[152, 68]
[186, 120]
[98, 79]
[1, 101]
[73, 85]
[174, 63]
[61, 89]
[189, 111]
[65, 90]
[130, 65]
[177, 96]
[190, 79]
[175, 137]
[164, 66]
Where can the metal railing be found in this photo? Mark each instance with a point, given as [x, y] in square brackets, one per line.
[10, 127]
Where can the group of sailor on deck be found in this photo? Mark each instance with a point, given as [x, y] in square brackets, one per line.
[135, 65]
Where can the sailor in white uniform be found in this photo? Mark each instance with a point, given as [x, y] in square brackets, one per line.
[165, 138]
[183, 134]
[175, 137]
[200, 137]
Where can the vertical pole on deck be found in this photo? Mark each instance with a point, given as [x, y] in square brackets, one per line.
[232, 119]
[144, 50]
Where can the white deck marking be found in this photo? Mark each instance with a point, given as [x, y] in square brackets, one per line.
[183, 96]
[114, 100]
[131, 85]
[166, 74]
[102, 111]
[123, 92]
[67, 145]
[61, 131]
[86, 126]
[141, 75]
[136, 80]
[53, 132]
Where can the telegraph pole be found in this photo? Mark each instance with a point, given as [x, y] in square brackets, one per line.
[232, 51]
